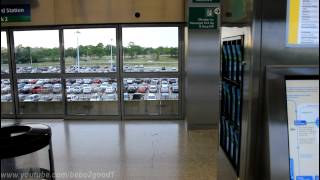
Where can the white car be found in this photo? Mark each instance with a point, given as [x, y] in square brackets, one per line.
[153, 88]
[6, 98]
[164, 89]
[72, 97]
[32, 98]
[95, 97]
[164, 95]
[56, 88]
[76, 90]
[152, 96]
[109, 97]
[40, 82]
[87, 89]
[45, 98]
[126, 96]
[109, 90]
[47, 88]
[69, 89]
[5, 90]
[104, 85]
[27, 87]
[87, 81]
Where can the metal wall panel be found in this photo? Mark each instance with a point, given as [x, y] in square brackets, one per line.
[202, 67]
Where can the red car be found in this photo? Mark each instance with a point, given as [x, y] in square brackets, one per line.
[33, 81]
[142, 89]
[97, 81]
[37, 90]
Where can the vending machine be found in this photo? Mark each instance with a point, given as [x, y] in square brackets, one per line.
[257, 37]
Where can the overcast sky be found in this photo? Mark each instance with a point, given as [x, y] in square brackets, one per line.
[3, 39]
[145, 37]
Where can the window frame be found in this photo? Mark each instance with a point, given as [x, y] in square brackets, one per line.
[119, 74]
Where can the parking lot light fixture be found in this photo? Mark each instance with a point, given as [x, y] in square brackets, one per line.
[78, 53]
[111, 53]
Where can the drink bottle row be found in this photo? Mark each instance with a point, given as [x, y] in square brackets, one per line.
[230, 120]
[231, 98]
[232, 58]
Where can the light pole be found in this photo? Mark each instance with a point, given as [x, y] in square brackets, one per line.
[111, 54]
[78, 53]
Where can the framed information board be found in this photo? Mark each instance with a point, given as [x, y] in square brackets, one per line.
[303, 23]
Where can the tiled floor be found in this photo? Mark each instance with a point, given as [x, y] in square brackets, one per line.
[133, 150]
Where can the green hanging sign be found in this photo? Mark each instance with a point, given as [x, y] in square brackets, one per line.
[16, 13]
[203, 17]
[205, 1]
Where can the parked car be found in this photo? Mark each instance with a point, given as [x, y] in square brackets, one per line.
[72, 97]
[153, 88]
[152, 96]
[6, 98]
[175, 89]
[172, 80]
[154, 81]
[47, 88]
[32, 98]
[45, 98]
[142, 89]
[56, 88]
[109, 97]
[22, 97]
[37, 90]
[109, 90]
[26, 89]
[87, 89]
[132, 89]
[164, 95]
[77, 90]
[104, 85]
[97, 81]
[126, 96]
[32, 81]
[87, 81]
[95, 97]
[164, 89]
[5, 90]
[137, 96]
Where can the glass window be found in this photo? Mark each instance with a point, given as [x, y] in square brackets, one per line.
[150, 49]
[90, 50]
[4, 54]
[6, 97]
[40, 96]
[37, 51]
[151, 96]
[92, 96]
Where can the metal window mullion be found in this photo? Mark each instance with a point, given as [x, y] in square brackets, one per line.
[120, 72]
[12, 71]
[62, 72]
[181, 61]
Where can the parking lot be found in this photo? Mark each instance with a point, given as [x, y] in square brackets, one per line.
[88, 69]
[93, 89]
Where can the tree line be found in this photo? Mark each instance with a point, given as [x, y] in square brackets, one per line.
[40, 54]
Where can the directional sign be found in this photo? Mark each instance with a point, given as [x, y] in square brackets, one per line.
[16, 13]
[203, 17]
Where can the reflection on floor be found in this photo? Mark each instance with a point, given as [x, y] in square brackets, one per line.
[133, 150]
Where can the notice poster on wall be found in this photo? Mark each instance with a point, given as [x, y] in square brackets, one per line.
[303, 128]
[303, 23]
